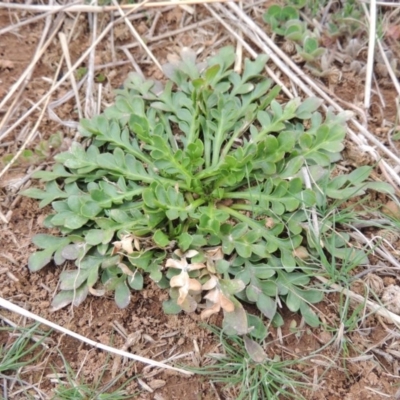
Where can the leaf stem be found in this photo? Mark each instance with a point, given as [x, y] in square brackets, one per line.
[281, 243]
[218, 140]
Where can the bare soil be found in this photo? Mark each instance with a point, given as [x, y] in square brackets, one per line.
[374, 375]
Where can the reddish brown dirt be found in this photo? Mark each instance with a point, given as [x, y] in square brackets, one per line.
[340, 376]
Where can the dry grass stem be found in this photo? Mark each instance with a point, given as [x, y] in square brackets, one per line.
[21, 84]
[13, 107]
[99, 97]
[29, 21]
[3, 218]
[112, 43]
[40, 51]
[314, 216]
[21, 311]
[65, 49]
[100, 9]
[381, 251]
[152, 29]
[251, 51]
[246, 28]
[64, 78]
[135, 65]
[90, 105]
[392, 74]
[371, 52]
[57, 103]
[113, 64]
[31, 135]
[169, 34]
[384, 3]
[379, 92]
[377, 308]
[138, 37]
[390, 174]
[239, 49]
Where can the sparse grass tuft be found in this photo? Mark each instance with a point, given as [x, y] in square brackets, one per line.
[70, 386]
[247, 373]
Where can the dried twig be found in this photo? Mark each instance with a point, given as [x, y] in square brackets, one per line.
[63, 79]
[392, 74]
[57, 103]
[27, 140]
[381, 251]
[172, 33]
[28, 21]
[21, 311]
[64, 46]
[371, 52]
[100, 9]
[137, 36]
[378, 309]
[253, 53]
[32, 65]
[90, 103]
[20, 85]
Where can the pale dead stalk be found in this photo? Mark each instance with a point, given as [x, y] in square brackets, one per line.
[57, 103]
[112, 42]
[385, 3]
[90, 103]
[359, 237]
[36, 18]
[65, 49]
[314, 216]
[27, 140]
[392, 74]
[371, 53]
[20, 86]
[252, 52]
[3, 218]
[21, 311]
[100, 9]
[75, 90]
[64, 78]
[11, 109]
[152, 29]
[25, 75]
[137, 36]
[169, 34]
[99, 97]
[378, 309]
[239, 50]
[135, 65]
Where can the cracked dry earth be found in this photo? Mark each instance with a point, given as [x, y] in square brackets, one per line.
[142, 327]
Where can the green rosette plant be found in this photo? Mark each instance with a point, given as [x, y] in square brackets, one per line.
[197, 184]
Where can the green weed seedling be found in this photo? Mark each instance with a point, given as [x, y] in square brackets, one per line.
[40, 153]
[314, 43]
[310, 50]
[278, 16]
[285, 21]
[198, 184]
